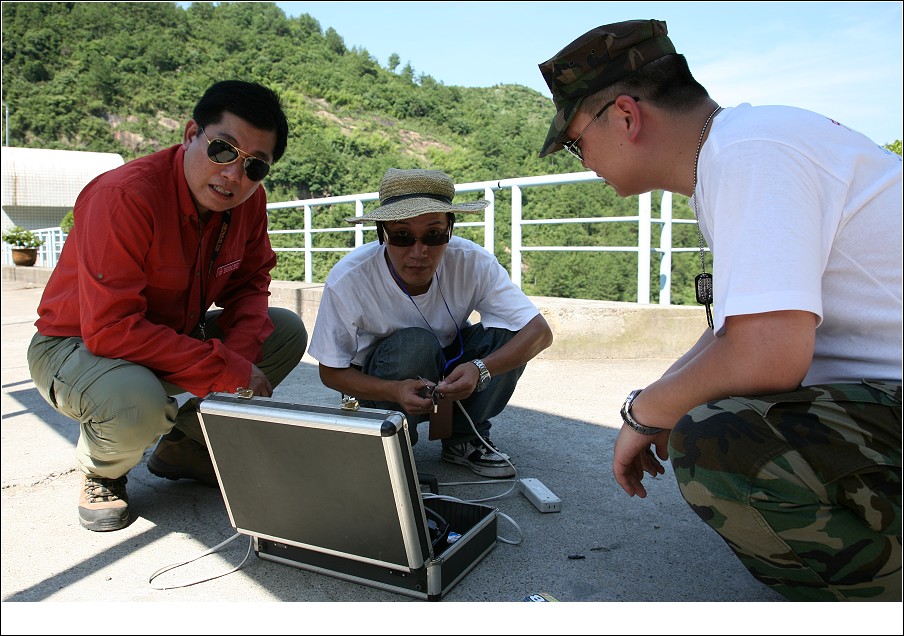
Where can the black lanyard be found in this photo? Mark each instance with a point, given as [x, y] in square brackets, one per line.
[224, 227]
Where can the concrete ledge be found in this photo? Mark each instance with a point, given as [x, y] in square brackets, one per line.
[600, 329]
[582, 329]
[37, 276]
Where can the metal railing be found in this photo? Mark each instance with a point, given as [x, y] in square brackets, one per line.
[54, 237]
[644, 219]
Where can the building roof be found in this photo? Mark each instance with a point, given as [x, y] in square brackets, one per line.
[50, 178]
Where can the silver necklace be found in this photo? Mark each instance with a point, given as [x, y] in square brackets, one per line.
[703, 283]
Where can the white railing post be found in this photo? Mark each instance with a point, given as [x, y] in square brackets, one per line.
[516, 235]
[489, 219]
[308, 244]
[359, 227]
[644, 244]
[665, 247]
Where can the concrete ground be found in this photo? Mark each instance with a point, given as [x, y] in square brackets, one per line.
[604, 549]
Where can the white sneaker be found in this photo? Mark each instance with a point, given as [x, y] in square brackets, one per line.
[485, 460]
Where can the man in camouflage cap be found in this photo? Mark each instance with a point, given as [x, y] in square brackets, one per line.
[595, 60]
[783, 421]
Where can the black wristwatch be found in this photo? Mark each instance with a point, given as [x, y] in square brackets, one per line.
[484, 380]
[628, 419]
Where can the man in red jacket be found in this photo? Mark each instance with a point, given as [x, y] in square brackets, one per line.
[123, 325]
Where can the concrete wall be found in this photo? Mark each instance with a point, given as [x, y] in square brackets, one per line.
[582, 329]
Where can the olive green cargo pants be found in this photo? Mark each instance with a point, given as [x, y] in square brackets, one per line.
[124, 408]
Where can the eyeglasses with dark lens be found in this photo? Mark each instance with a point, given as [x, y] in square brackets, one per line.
[430, 239]
[572, 146]
[222, 152]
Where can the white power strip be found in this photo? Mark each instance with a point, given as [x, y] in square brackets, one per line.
[539, 495]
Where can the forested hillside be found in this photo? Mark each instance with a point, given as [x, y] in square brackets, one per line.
[124, 77]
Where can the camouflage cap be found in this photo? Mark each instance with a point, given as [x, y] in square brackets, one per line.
[600, 57]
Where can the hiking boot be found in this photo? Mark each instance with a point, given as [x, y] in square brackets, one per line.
[483, 459]
[178, 456]
[103, 504]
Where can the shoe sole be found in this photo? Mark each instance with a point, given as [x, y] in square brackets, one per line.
[166, 471]
[107, 524]
[495, 472]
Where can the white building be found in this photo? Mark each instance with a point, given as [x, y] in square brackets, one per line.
[40, 186]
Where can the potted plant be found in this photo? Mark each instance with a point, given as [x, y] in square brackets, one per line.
[24, 243]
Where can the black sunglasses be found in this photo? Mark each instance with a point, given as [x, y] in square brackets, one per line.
[222, 152]
[431, 239]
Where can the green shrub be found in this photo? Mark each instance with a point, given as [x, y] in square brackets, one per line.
[67, 223]
[19, 237]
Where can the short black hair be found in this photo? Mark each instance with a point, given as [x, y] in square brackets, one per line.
[255, 103]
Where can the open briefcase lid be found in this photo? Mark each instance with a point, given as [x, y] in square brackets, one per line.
[337, 481]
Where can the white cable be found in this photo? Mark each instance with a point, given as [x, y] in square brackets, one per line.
[203, 554]
[513, 480]
[482, 482]
[517, 527]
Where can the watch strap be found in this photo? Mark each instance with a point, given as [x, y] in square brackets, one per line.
[484, 380]
[628, 419]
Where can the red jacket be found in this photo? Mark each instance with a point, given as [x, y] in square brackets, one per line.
[129, 277]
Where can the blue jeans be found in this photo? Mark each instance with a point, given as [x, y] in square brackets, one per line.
[414, 352]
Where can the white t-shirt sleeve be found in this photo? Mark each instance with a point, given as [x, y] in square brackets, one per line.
[333, 342]
[482, 284]
[504, 305]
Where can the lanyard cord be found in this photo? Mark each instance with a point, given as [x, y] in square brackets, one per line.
[461, 341]
[224, 227]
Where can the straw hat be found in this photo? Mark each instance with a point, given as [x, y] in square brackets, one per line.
[408, 193]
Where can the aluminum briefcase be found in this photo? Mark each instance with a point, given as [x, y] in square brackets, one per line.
[336, 491]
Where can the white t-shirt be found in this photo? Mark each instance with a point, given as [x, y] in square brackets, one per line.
[362, 303]
[802, 213]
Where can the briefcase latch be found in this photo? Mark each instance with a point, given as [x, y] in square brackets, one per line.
[349, 403]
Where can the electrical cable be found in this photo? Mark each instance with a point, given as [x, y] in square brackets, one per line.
[203, 554]
[513, 480]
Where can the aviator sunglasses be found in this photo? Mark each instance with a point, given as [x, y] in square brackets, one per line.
[222, 152]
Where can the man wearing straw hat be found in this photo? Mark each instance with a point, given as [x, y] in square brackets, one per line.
[393, 330]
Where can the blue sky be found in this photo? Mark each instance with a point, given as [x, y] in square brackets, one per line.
[842, 59]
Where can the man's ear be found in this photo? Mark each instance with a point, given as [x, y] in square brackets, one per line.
[380, 232]
[451, 217]
[192, 130]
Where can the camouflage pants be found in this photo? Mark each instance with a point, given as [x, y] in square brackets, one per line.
[804, 487]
